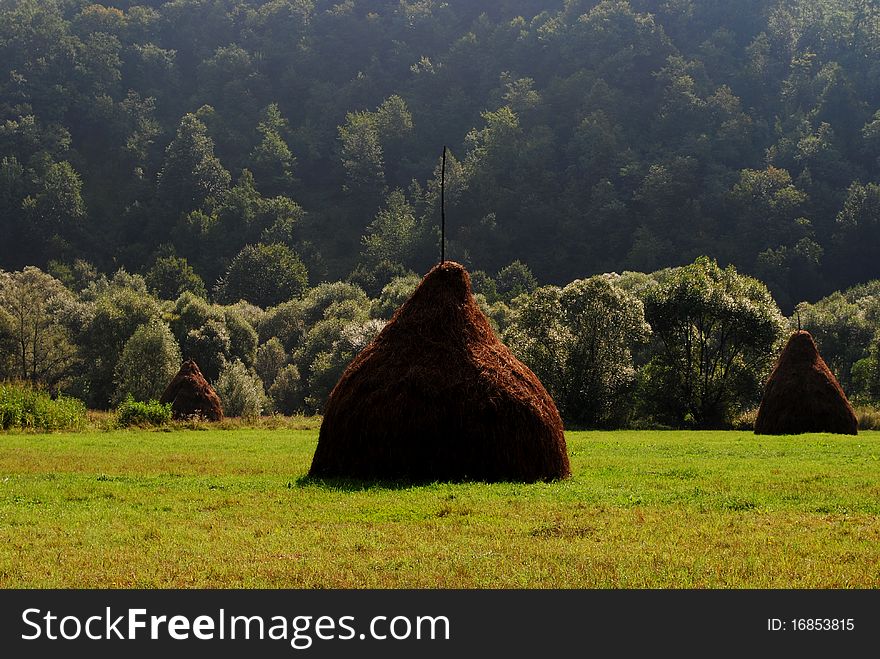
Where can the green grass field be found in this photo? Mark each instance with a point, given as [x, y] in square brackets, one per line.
[230, 508]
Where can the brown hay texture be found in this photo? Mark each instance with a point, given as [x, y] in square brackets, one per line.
[437, 397]
[191, 396]
[802, 394]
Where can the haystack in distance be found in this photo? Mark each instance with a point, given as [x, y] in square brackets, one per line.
[191, 396]
[436, 396]
[802, 394]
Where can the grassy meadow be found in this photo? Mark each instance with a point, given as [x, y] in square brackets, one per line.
[231, 508]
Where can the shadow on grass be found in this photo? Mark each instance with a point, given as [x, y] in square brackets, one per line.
[362, 485]
[354, 485]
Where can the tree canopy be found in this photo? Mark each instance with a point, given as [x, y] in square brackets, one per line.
[585, 136]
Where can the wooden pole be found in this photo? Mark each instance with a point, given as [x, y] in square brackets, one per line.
[443, 208]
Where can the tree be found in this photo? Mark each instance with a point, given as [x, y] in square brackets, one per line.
[842, 332]
[112, 312]
[483, 284]
[596, 145]
[393, 234]
[171, 276]
[393, 243]
[210, 347]
[515, 279]
[337, 318]
[393, 295]
[238, 216]
[58, 200]
[592, 134]
[285, 322]
[328, 365]
[240, 391]
[191, 172]
[99, 63]
[494, 160]
[579, 341]
[321, 301]
[271, 358]
[271, 160]
[243, 337]
[767, 207]
[190, 312]
[362, 154]
[264, 275]
[866, 374]
[858, 233]
[287, 390]
[149, 360]
[55, 209]
[32, 305]
[394, 125]
[715, 334]
[791, 273]
[12, 191]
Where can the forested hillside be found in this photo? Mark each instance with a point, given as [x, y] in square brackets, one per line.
[586, 137]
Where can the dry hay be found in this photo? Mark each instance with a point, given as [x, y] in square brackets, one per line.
[437, 397]
[191, 396]
[802, 394]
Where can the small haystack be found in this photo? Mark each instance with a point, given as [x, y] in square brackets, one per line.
[802, 394]
[190, 395]
[436, 396]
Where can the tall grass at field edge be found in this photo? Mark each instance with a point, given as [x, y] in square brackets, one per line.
[24, 407]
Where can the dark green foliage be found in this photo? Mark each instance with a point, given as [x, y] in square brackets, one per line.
[113, 310]
[326, 296]
[715, 332]
[271, 160]
[137, 413]
[513, 280]
[372, 278]
[209, 346]
[241, 391]
[171, 276]
[284, 322]
[579, 341]
[584, 137]
[286, 391]
[35, 341]
[191, 172]
[484, 285]
[243, 338]
[264, 275]
[393, 234]
[858, 229]
[333, 351]
[190, 312]
[271, 358]
[393, 295]
[149, 359]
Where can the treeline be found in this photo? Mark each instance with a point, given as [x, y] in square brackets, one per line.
[683, 347]
[586, 137]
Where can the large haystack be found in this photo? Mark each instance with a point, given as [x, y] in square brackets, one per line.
[802, 395]
[191, 396]
[436, 396]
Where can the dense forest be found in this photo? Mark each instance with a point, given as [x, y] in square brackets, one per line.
[256, 185]
[190, 140]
